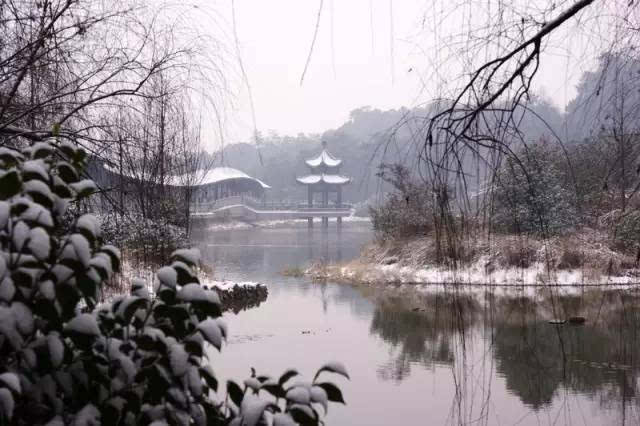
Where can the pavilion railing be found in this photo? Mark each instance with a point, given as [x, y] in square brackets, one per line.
[253, 202]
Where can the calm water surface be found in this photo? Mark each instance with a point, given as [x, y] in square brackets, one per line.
[423, 358]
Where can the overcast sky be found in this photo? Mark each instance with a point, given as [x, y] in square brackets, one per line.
[352, 64]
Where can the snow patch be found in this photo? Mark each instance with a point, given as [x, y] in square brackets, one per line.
[230, 285]
[508, 280]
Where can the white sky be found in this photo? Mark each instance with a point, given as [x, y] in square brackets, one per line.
[274, 40]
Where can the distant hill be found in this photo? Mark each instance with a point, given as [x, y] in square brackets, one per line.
[369, 138]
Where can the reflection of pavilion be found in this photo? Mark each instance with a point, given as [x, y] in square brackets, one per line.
[324, 178]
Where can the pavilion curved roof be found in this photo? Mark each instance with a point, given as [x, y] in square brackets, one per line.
[329, 179]
[325, 159]
[214, 175]
[220, 174]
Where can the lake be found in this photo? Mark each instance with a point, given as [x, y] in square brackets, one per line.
[417, 357]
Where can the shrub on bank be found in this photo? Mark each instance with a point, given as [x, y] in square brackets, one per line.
[142, 236]
[408, 210]
[531, 195]
[139, 359]
[626, 230]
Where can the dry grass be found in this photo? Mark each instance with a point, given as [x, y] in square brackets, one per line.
[518, 255]
[588, 250]
[293, 271]
[570, 259]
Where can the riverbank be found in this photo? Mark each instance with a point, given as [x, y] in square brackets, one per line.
[581, 259]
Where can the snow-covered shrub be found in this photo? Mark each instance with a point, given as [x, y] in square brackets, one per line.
[134, 233]
[626, 229]
[408, 210]
[140, 359]
[530, 195]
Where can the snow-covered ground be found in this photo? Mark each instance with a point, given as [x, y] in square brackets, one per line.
[522, 280]
[229, 285]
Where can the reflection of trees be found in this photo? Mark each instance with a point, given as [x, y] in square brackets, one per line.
[531, 361]
[538, 359]
[422, 331]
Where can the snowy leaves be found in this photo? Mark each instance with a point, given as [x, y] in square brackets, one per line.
[252, 409]
[10, 388]
[178, 359]
[167, 277]
[212, 332]
[4, 214]
[192, 293]
[333, 367]
[140, 359]
[7, 404]
[11, 381]
[39, 243]
[301, 399]
[190, 257]
[85, 324]
[298, 395]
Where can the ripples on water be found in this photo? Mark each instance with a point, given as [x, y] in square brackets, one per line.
[420, 358]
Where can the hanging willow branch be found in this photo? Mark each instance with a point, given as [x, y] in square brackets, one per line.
[313, 43]
[458, 120]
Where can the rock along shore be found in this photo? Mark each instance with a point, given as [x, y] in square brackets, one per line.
[239, 296]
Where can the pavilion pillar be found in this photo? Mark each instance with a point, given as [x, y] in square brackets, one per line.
[339, 204]
[310, 204]
[325, 204]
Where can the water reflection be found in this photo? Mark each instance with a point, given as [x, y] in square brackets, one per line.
[599, 358]
[451, 357]
[421, 329]
[263, 253]
[538, 361]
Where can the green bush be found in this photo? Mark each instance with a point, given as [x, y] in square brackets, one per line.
[138, 359]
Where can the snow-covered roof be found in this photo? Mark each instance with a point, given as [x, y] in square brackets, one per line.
[325, 159]
[330, 179]
[214, 175]
[219, 174]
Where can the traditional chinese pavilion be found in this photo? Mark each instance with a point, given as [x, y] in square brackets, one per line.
[324, 178]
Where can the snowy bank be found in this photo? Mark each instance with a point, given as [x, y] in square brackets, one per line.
[509, 280]
[574, 262]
